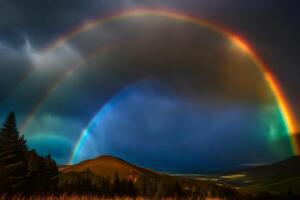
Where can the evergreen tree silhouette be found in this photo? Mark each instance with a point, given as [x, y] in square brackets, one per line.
[12, 156]
[51, 172]
[43, 172]
[35, 171]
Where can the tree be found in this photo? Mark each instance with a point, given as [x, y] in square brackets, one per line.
[35, 171]
[131, 189]
[12, 156]
[51, 172]
[117, 185]
[42, 172]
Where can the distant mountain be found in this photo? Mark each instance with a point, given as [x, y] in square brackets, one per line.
[287, 169]
[107, 166]
[279, 177]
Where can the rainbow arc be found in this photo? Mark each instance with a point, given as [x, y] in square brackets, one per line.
[285, 108]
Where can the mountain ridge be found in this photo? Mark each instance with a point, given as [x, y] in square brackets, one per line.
[278, 177]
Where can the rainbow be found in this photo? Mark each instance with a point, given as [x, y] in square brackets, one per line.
[66, 73]
[282, 102]
[95, 122]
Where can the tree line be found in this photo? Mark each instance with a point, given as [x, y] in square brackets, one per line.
[87, 182]
[23, 170]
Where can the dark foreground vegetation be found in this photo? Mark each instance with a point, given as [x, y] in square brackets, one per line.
[26, 175]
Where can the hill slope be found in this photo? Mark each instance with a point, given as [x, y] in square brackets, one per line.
[276, 178]
[107, 166]
[83, 177]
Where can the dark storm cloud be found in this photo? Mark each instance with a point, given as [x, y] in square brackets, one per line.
[144, 48]
[14, 64]
[40, 20]
[27, 74]
[48, 19]
[271, 26]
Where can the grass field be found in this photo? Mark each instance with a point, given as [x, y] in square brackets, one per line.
[76, 197]
[276, 187]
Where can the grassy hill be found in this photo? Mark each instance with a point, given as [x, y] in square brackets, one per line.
[275, 178]
[279, 177]
[99, 173]
[107, 166]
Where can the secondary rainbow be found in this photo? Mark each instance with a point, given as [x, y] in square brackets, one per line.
[66, 73]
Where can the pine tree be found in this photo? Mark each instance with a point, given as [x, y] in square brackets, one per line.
[36, 168]
[131, 189]
[13, 167]
[51, 172]
[3, 179]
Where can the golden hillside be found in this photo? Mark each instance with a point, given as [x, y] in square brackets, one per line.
[107, 166]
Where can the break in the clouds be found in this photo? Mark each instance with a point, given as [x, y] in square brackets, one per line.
[13, 64]
[28, 72]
